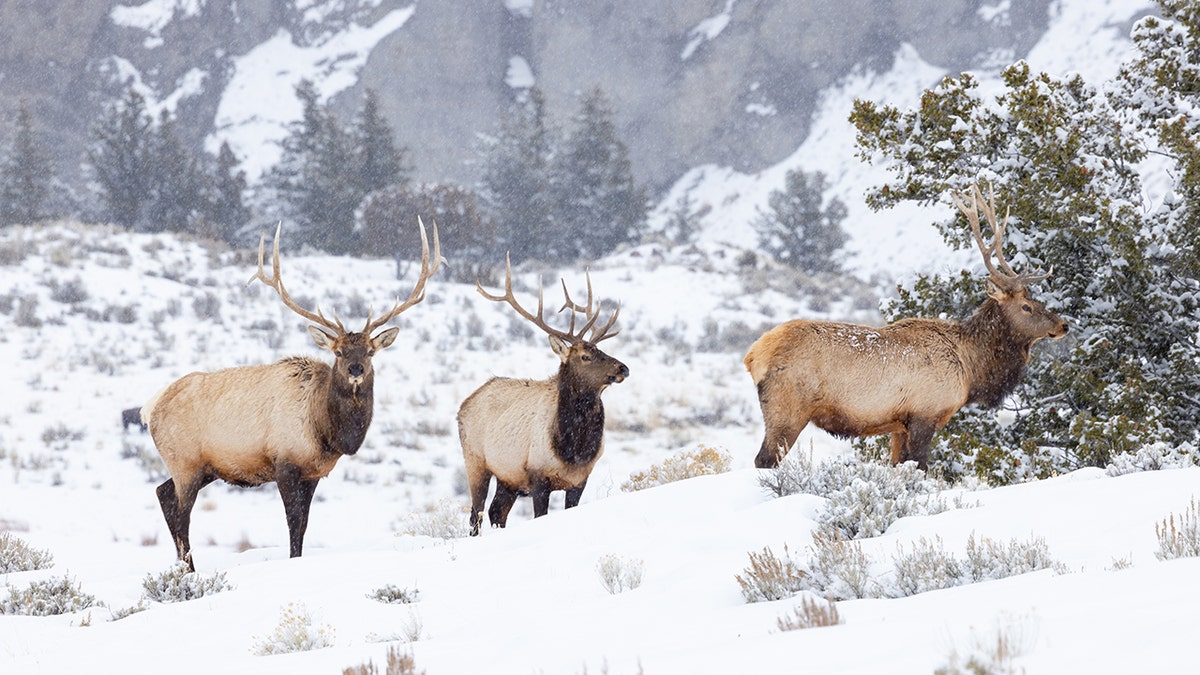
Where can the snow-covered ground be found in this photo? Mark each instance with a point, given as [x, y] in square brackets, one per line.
[121, 315]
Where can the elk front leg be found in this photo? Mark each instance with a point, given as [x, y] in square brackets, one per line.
[297, 495]
[539, 490]
[574, 494]
[916, 448]
[177, 501]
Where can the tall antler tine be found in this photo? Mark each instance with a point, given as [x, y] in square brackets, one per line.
[418, 291]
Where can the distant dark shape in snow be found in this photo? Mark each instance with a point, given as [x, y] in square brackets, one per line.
[287, 422]
[537, 436]
[132, 417]
[908, 378]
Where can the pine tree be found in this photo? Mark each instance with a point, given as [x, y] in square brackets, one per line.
[597, 205]
[26, 174]
[177, 185]
[1063, 160]
[380, 163]
[227, 211]
[120, 159]
[515, 185]
[797, 231]
[314, 179]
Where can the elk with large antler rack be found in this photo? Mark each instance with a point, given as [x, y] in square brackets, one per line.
[907, 378]
[537, 436]
[287, 422]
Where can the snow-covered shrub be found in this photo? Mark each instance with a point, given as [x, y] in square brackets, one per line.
[701, 461]
[398, 663]
[838, 567]
[770, 577]
[126, 612]
[928, 567]
[988, 559]
[810, 614]
[864, 497]
[618, 574]
[296, 632]
[1180, 540]
[1154, 457]
[179, 584]
[17, 556]
[394, 595]
[56, 595]
[445, 519]
[995, 652]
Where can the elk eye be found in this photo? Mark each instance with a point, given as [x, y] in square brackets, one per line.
[370, 353]
[586, 357]
[1026, 308]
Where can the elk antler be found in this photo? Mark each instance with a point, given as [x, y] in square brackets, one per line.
[418, 292]
[970, 205]
[276, 282]
[570, 335]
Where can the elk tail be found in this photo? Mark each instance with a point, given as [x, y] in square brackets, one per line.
[148, 407]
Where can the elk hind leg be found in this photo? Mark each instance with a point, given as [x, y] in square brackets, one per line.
[502, 503]
[297, 495]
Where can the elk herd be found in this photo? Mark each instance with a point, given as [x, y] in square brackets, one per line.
[289, 422]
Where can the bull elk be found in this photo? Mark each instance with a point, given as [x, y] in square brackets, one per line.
[907, 378]
[537, 436]
[287, 422]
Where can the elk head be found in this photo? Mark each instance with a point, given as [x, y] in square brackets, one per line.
[582, 360]
[352, 350]
[1009, 289]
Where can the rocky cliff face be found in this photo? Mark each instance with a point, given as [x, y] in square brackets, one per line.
[692, 81]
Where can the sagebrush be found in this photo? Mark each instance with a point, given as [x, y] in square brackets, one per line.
[810, 614]
[56, 595]
[296, 632]
[1179, 539]
[17, 556]
[180, 584]
[701, 461]
[618, 574]
[399, 662]
[395, 595]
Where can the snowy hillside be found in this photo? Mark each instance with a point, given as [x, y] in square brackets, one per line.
[98, 320]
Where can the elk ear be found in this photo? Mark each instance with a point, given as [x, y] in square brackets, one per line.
[560, 347]
[323, 339]
[385, 339]
[994, 291]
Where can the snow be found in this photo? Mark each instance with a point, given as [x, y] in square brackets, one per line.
[519, 75]
[260, 102]
[528, 599]
[708, 29]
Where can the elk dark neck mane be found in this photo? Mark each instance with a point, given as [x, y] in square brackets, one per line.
[343, 424]
[996, 355]
[579, 427]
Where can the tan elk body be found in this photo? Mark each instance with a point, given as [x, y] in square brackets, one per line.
[907, 378]
[538, 436]
[288, 422]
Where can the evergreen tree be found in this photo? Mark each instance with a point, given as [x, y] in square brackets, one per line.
[515, 186]
[120, 159]
[596, 203]
[177, 185]
[227, 211]
[380, 162]
[798, 231]
[1063, 160]
[313, 178]
[25, 174]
